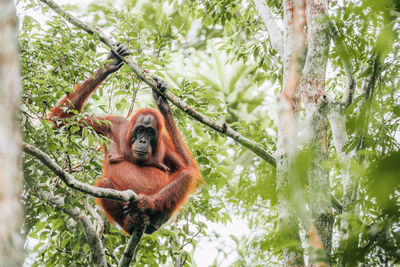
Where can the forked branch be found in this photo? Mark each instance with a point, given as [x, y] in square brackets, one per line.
[97, 250]
[71, 182]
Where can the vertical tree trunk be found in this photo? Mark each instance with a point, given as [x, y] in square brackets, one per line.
[11, 214]
[313, 93]
[288, 221]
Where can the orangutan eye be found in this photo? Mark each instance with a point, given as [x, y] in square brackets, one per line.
[149, 132]
[140, 130]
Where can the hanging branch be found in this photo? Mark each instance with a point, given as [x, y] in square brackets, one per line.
[97, 250]
[71, 182]
[131, 248]
[141, 74]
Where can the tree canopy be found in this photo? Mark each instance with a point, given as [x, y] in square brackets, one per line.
[221, 59]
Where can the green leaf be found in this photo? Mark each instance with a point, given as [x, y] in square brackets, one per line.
[74, 129]
[91, 139]
[35, 248]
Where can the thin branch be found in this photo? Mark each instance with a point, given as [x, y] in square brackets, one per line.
[369, 86]
[142, 75]
[275, 34]
[351, 82]
[134, 94]
[110, 253]
[71, 182]
[99, 258]
[383, 45]
[131, 248]
[191, 238]
[368, 89]
[336, 204]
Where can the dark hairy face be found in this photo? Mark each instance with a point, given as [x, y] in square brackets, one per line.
[144, 137]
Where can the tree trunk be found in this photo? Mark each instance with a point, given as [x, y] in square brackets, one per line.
[288, 221]
[11, 213]
[313, 85]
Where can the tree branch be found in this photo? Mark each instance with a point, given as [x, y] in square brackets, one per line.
[71, 182]
[97, 250]
[131, 248]
[275, 34]
[140, 73]
[351, 82]
[336, 204]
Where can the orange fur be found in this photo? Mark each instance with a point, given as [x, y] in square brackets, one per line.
[164, 181]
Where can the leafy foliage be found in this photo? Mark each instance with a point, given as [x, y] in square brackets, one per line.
[217, 58]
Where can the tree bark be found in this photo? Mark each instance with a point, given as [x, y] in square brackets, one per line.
[287, 133]
[69, 180]
[89, 231]
[314, 94]
[11, 213]
[131, 248]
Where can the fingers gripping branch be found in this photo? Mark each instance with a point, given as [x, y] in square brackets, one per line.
[76, 99]
[170, 125]
[115, 63]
